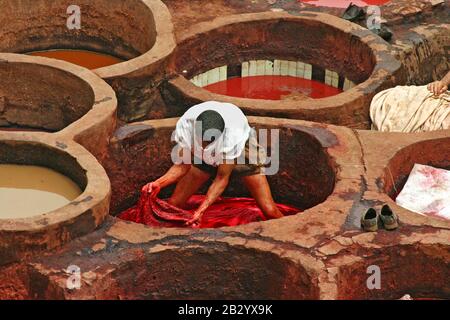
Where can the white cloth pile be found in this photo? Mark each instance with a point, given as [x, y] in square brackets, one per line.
[410, 109]
[427, 192]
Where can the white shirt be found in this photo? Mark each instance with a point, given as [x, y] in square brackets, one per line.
[232, 142]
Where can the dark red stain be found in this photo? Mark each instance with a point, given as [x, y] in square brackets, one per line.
[272, 87]
[345, 3]
[224, 212]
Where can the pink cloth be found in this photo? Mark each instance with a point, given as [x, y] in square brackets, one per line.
[427, 192]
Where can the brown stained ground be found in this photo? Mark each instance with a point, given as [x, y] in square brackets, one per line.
[186, 13]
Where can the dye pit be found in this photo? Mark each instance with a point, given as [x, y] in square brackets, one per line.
[132, 42]
[87, 59]
[235, 48]
[27, 191]
[57, 100]
[273, 80]
[225, 212]
[331, 166]
[273, 88]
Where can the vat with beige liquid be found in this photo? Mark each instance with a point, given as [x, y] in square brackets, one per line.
[27, 191]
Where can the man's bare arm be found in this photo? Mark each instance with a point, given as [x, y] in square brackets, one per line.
[175, 173]
[216, 189]
[446, 79]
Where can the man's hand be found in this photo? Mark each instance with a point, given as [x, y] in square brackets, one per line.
[437, 88]
[175, 173]
[195, 221]
[214, 192]
[151, 187]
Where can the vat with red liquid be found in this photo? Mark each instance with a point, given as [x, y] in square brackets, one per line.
[272, 88]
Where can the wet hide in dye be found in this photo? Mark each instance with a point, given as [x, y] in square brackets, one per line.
[427, 192]
[156, 212]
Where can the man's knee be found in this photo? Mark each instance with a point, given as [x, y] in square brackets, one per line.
[174, 201]
[271, 210]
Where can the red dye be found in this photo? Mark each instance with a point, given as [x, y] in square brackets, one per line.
[345, 3]
[272, 87]
[155, 212]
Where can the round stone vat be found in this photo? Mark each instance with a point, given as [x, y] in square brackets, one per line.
[20, 238]
[50, 95]
[421, 271]
[138, 31]
[434, 152]
[150, 266]
[212, 271]
[309, 45]
[302, 172]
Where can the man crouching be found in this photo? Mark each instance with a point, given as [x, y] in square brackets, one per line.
[212, 137]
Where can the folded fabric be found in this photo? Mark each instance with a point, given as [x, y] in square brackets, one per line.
[410, 109]
[224, 212]
[427, 192]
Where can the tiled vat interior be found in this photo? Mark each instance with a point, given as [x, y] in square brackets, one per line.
[308, 256]
[294, 53]
[296, 69]
[312, 47]
[274, 68]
